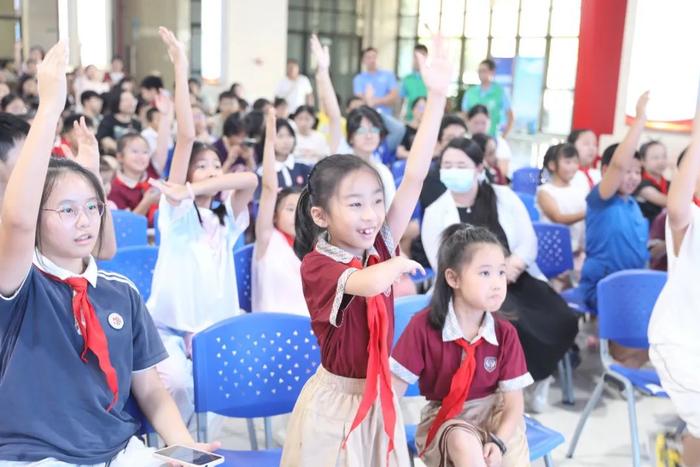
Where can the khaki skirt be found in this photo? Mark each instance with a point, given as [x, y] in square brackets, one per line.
[322, 418]
[478, 417]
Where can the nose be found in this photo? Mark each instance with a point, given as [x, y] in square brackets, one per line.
[83, 220]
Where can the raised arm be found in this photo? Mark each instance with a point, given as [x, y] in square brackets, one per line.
[376, 279]
[612, 179]
[165, 108]
[20, 209]
[436, 71]
[680, 195]
[327, 93]
[268, 196]
[183, 109]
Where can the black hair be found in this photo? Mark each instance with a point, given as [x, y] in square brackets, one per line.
[420, 48]
[279, 101]
[233, 125]
[416, 101]
[115, 100]
[20, 83]
[490, 64]
[678, 161]
[87, 95]
[233, 86]
[151, 114]
[355, 117]
[126, 139]
[575, 134]
[72, 118]
[260, 103]
[253, 123]
[220, 210]
[226, 95]
[124, 80]
[243, 104]
[351, 99]
[468, 147]
[482, 139]
[13, 130]
[610, 152]
[279, 124]
[367, 49]
[292, 61]
[322, 185]
[644, 148]
[557, 152]
[152, 82]
[476, 110]
[192, 80]
[8, 99]
[282, 195]
[449, 120]
[306, 109]
[58, 167]
[39, 49]
[457, 246]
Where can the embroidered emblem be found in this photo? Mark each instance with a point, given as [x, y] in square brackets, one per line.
[490, 364]
[300, 180]
[116, 321]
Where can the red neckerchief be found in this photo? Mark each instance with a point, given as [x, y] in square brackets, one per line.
[144, 186]
[289, 238]
[377, 365]
[662, 185]
[585, 171]
[94, 338]
[696, 200]
[453, 403]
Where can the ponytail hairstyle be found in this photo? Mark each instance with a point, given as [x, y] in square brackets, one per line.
[219, 207]
[323, 183]
[554, 154]
[458, 244]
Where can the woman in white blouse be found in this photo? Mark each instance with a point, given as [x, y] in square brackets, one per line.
[545, 324]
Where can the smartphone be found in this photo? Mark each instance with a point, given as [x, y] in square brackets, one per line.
[188, 457]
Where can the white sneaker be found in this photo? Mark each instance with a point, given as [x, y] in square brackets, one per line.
[537, 395]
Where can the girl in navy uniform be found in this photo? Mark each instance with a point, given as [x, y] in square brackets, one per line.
[347, 414]
[75, 342]
[468, 363]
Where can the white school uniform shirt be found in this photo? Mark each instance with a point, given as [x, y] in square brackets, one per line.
[512, 215]
[314, 142]
[277, 279]
[581, 182]
[676, 316]
[194, 282]
[294, 91]
[570, 200]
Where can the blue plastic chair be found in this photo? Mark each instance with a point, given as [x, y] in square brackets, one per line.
[625, 302]
[252, 365]
[137, 264]
[398, 167]
[129, 228]
[576, 301]
[554, 255]
[243, 261]
[526, 180]
[146, 430]
[156, 230]
[530, 203]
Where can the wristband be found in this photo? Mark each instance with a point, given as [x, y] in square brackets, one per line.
[498, 442]
[190, 191]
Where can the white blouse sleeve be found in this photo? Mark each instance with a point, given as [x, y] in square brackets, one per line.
[430, 236]
[515, 220]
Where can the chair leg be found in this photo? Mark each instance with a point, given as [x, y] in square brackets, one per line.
[634, 430]
[251, 434]
[202, 427]
[592, 402]
[548, 462]
[268, 432]
[568, 388]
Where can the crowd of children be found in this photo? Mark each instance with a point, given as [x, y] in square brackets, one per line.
[335, 236]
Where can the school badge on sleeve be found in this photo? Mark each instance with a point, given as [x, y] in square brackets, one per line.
[490, 364]
[116, 321]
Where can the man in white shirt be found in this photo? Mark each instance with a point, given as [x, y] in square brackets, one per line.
[295, 88]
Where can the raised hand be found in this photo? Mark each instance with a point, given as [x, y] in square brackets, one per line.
[88, 149]
[270, 127]
[321, 53]
[173, 192]
[51, 77]
[436, 69]
[176, 49]
[642, 105]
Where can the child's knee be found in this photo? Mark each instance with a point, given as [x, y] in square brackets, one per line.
[464, 448]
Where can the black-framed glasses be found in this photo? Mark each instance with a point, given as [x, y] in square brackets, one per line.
[70, 212]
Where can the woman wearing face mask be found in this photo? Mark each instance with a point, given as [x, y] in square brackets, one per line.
[545, 324]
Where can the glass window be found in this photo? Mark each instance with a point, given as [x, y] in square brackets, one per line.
[557, 110]
[476, 19]
[475, 51]
[503, 47]
[532, 47]
[452, 22]
[409, 7]
[563, 57]
[566, 17]
[347, 22]
[405, 58]
[504, 18]
[408, 26]
[454, 51]
[428, 18]
[534, 16]
[296, 20]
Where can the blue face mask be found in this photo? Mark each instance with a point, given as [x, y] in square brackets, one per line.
[458, 180]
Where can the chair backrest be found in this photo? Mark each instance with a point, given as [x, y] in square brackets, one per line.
[530, 203]
[136, 263]
[132, 407]
[625, 302]
[404, 309]
[253, 365]
[156, 230]
[243, 260]
[526, 179]
[398, 167]
[129, 228]
[554, 255]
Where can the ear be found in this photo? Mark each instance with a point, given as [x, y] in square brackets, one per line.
[452, 278]
[319, 216]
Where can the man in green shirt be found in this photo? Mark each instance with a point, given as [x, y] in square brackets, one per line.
[412, 85]
[493, 96]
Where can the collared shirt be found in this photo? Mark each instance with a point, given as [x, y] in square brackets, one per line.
[339, 320]
[382, 81]
[126, 193]
[412, 87]
[431, 357]
[52, 403]
[496, 100]
[290, 172]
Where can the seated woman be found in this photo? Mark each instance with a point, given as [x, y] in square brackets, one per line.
[545, 324]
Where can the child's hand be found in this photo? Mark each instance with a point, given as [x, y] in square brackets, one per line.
[492, 455]
[321, 53]
[270, 126]
[642, 105]
[436, 70]
[175, 193]
[176, 49]
[152, 195]
[369, 95]
[88, 149]
[206, 447]
[164, 103]
[406, 266]
[51, 78]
